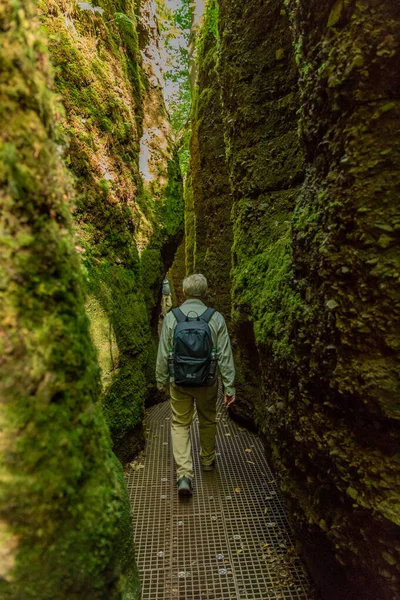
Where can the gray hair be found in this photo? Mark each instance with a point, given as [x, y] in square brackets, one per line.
[195, 286]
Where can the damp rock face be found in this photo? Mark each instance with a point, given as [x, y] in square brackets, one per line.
[208, 197]
[310, 110]
[258, 78]
[343, 405]
[128, 207]
[65, 530]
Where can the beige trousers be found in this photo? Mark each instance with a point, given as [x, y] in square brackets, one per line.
[183, 400]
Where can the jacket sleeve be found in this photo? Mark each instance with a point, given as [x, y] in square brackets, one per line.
[225, 358]
[162, 374]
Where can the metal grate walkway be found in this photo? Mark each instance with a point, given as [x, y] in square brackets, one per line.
[231, 540]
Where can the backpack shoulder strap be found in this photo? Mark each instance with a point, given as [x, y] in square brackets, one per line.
[178, 314]
[206, 316]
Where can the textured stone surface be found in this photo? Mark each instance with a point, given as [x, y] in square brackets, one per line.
[258, 79]
[208, 245]
[346, 252]
[65, 529]
[129, 203]
[315, 280]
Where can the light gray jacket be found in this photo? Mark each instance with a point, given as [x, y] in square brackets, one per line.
[220, 338]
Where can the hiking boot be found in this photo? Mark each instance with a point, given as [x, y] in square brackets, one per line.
[185, 486]
[209, 467]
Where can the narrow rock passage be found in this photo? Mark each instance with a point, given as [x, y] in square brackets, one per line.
[230, 540]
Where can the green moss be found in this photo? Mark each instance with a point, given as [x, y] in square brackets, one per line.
[314, 276]
[208, 197]
[122, 224]
[177, 273]
[190, 227]
[152, 269]
[121, 294]
[209, 30]
[338, 245]
[263, 284]
[265, 169]
[61, 494]
[172, 216]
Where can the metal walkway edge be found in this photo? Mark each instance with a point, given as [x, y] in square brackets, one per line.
[231, 540]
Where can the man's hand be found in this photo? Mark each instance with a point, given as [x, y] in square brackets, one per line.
[228, 400]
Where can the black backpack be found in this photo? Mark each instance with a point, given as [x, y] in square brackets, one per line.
[193, 359]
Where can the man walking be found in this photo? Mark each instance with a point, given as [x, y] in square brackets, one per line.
[166, 300]
[194, 339]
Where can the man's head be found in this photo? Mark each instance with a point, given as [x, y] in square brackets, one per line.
[195, 286]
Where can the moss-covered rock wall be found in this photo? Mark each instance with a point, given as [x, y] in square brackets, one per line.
[177, 273]
[65, 530]
[258, 78]
[209, 240]
[344, 407]
[310, 105]
[128, 213]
